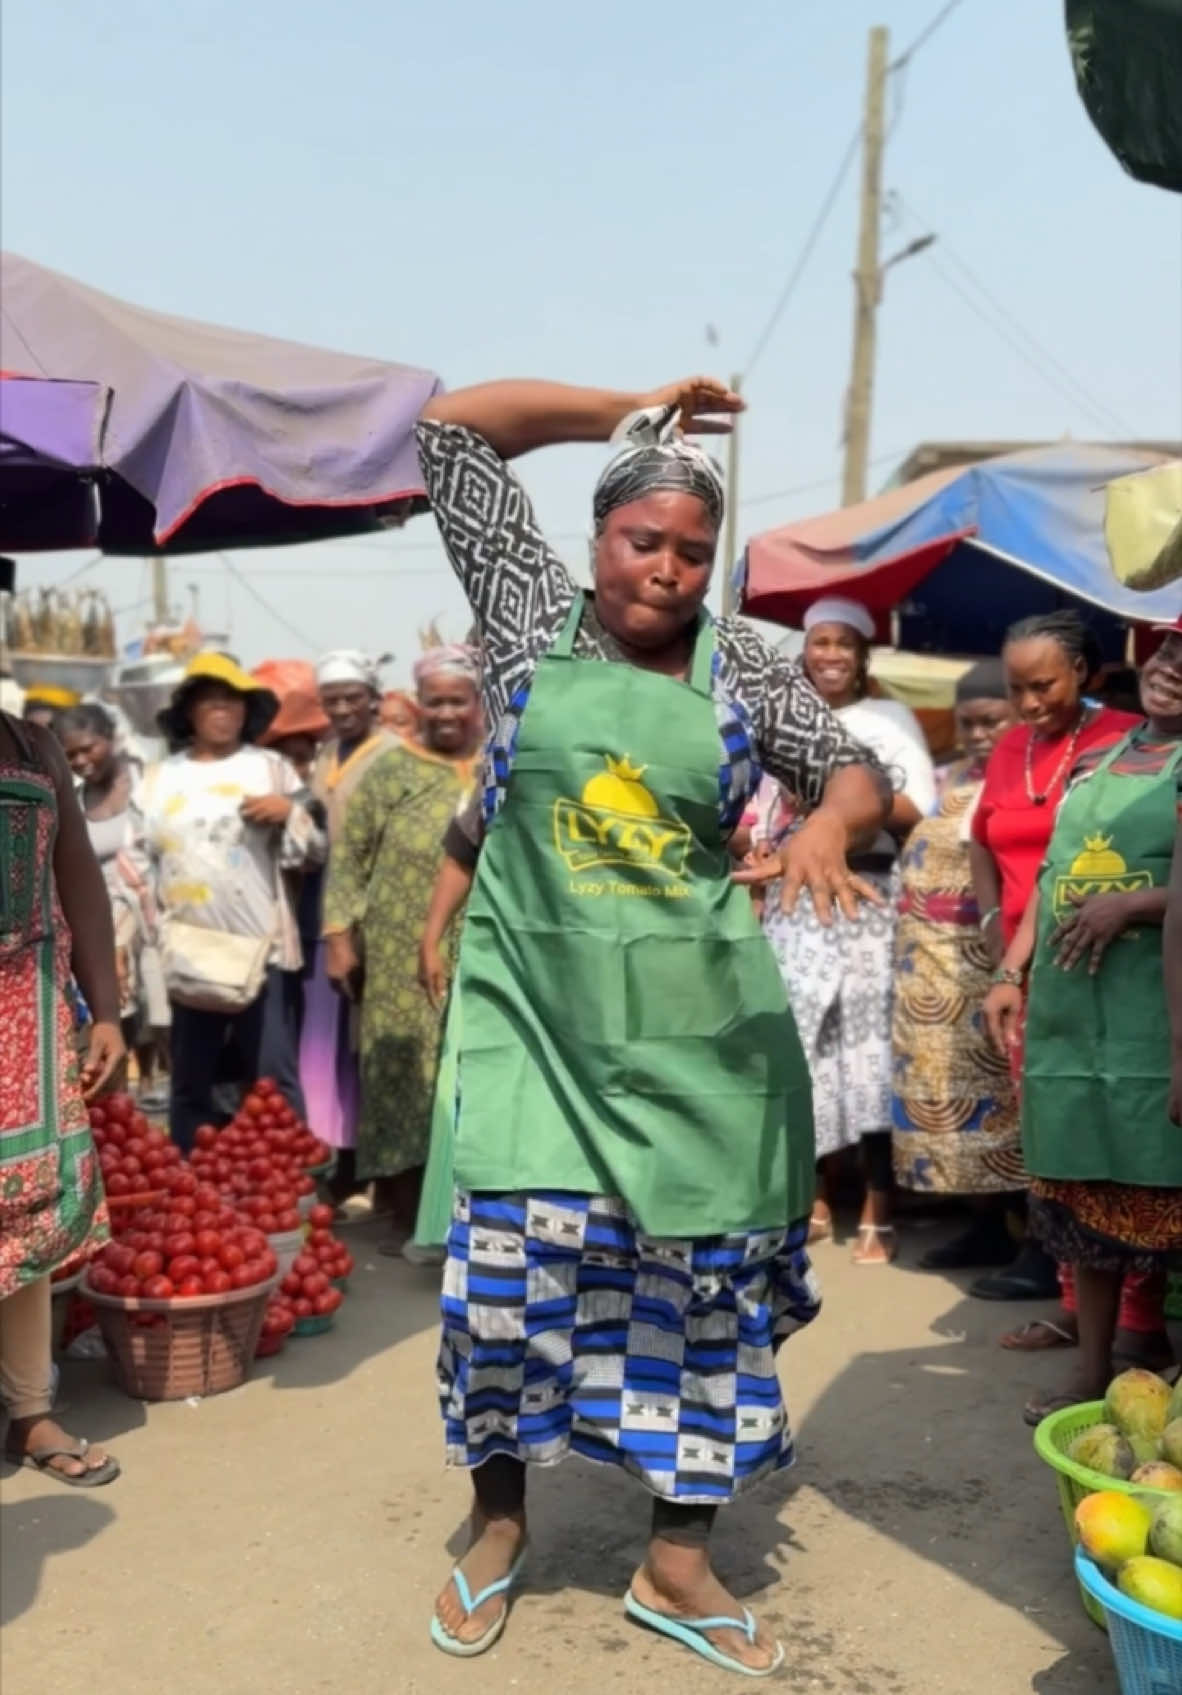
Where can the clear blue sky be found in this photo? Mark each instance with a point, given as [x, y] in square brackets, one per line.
[576, 192]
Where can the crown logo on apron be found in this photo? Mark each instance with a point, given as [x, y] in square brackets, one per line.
[618, 822]
[1098, 870]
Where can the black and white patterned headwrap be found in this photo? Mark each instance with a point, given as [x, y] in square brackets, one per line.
[652, 456]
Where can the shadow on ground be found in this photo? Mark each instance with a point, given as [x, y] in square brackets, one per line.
[32, 1531]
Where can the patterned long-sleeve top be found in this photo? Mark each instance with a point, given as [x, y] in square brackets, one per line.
[769, 716]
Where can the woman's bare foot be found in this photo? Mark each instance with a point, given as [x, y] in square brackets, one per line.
[494, 1547]
[678, 1582]
[876, 1245]
[33, 1436]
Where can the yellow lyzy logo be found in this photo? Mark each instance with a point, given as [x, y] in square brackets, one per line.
[618, 822]
[1098, 870]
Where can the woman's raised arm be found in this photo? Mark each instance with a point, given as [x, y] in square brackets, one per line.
[518, 415]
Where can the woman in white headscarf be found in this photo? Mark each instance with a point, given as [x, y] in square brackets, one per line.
[839, 975]
[350, 694]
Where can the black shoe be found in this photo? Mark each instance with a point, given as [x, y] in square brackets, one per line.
[1031, 1277]
[985, 1242]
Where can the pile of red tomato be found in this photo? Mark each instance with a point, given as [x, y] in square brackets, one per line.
[260, 1160]
[134, 1157]
[193, 1227]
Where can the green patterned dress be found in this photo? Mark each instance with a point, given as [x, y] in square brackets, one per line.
[380, 876]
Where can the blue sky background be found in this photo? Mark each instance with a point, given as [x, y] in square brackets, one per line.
[577, 192]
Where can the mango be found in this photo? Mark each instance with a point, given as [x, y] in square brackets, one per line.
[1174, 1410]
[1155, 1583]
[1165, 1533]
[1112, 1528]
[1145, 1449]
[1102, 1448]
[1158, 1474]
[1137, 1402]
[1171, 1442]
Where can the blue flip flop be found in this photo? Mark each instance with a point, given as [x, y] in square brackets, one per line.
[690, 1633]
[469, 1602]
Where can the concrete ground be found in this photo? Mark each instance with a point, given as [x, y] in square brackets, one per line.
[291, 1536]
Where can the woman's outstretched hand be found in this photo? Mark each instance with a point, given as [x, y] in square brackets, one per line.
[813, 858]
[705, 405]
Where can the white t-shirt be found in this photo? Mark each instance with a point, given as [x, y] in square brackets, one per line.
[212, 868]
[892, 731]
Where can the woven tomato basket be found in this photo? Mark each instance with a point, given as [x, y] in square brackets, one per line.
[169, 1350]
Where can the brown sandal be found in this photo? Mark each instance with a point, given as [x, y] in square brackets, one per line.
[1024, 1340]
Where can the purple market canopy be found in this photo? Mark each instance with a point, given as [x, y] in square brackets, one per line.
[206, 437]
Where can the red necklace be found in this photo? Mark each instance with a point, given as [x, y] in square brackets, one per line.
[1061, 769]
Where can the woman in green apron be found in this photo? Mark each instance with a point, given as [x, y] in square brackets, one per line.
[1105, 1160]
[633, 1132]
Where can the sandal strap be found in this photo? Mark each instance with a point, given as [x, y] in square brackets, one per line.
[469, 1602]
[42, 1456]
[746, 1624]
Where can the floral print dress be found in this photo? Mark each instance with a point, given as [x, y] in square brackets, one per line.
[380, 876]
[51, 1199]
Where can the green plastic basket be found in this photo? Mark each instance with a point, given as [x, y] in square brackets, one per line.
[1052, 1439]
[314, 1326]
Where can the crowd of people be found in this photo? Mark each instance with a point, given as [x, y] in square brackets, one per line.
[731, 943]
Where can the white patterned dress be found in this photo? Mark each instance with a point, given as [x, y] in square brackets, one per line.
[840, 977]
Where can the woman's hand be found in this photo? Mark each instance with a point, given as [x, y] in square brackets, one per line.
[703, 403]
[342, 964]
[433, 978]
[813, 858]
[1097, 921]
[1003, 1016]
[991, 934]
[268, 810]
[104, 1056]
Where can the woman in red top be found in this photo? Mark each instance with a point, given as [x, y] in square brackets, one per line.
[1049, 659]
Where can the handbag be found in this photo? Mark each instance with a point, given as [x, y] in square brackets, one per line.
[212, 970]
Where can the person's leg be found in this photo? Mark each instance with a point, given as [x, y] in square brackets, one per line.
[1098, 1300]
[876, 1234]
[196, 1043]
[985, 1241]
[678, 1581]
[279, 1035]
[1141, 1336]
[26, 1382]
[498, 1533]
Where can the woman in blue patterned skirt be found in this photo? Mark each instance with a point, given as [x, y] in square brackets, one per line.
[633, 1134]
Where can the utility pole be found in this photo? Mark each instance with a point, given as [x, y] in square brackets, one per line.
[159, 589]
[867, 278]
[731, 529]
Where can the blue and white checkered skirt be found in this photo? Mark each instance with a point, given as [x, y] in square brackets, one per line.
[567, 1330]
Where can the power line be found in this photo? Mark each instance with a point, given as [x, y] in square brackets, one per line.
[1089, 401]
[819, 482]
[1036, 364]
[926, 34]
[806, 251]
[279, 618]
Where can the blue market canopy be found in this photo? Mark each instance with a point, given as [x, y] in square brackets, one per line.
[963, 552]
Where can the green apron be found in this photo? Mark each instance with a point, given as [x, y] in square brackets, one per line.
[625, 1028]
[1097, 1063]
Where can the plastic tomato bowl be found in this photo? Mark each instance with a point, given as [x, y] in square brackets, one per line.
[170, 1350]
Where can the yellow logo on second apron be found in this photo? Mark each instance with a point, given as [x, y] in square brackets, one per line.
[1098, 870]
[618, 822]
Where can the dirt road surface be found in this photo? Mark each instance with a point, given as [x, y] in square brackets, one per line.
[291, 1536]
